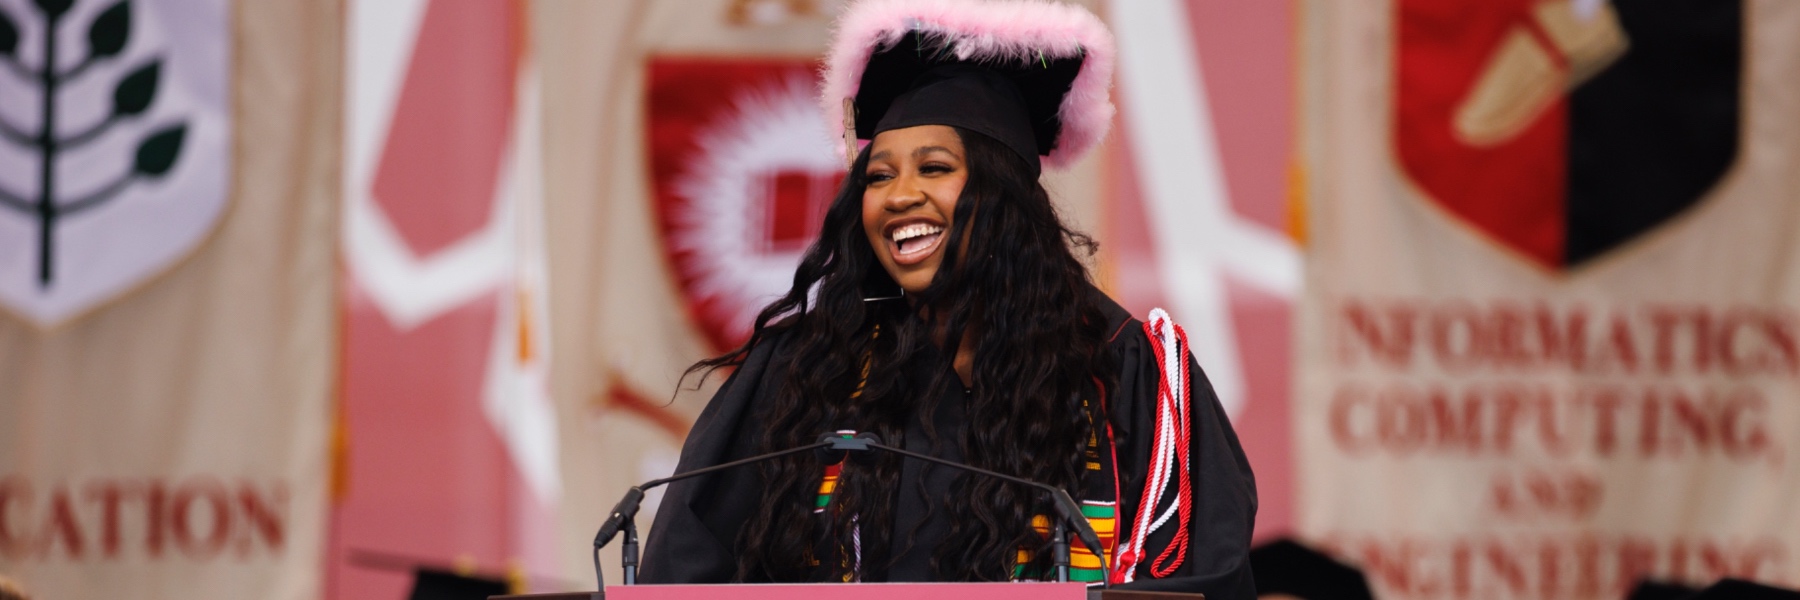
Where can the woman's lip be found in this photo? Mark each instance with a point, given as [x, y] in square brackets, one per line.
[918, 255]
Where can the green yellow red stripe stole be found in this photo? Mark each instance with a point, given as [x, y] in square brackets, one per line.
[828, 483]
[1084, 566]
[1103, 515]
[1101, 466]
[827, 486]
[832, 471]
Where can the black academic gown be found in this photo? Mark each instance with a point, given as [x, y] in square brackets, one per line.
[699, 519]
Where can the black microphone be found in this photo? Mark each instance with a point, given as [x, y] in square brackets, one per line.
[623, 513]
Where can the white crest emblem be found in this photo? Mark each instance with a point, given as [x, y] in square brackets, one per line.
[731, 261]
[115, 139]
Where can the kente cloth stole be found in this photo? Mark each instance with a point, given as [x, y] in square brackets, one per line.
[1103, 515]
[1101, 466]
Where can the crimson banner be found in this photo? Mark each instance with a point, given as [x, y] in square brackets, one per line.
[450, 441]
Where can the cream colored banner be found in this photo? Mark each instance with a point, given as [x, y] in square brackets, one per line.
[171, 439]
[1475, 423]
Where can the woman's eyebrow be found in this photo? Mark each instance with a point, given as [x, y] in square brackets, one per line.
[920, 152]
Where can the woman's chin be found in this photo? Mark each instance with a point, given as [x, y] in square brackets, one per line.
[915, 282]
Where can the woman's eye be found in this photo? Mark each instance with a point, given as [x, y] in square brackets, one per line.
[877, 177]
[936, 169]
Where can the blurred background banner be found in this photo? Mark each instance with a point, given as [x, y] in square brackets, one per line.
[305, 297]
[743, 171]
[1196, 213]
[448, 456]
[168, 335]
[1548, 341]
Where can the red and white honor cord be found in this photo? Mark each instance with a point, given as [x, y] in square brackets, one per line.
[1168, 457]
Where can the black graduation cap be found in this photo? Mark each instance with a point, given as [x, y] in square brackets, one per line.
[1733, 589]
[1738, 589]
[1032, 75]
[433, 584]
[912, 84]
[1660, 590]
[1289, 567]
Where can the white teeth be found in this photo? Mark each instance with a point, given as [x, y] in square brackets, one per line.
[915, 230]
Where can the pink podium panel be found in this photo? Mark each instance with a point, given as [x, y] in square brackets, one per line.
[861, 591]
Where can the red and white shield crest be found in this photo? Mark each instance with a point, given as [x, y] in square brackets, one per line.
[1564, 128]
[743, 171]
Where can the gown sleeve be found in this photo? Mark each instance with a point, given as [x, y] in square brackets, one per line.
[1223, 489]
[696, 526]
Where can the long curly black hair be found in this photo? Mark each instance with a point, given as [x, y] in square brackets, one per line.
[1018, 287]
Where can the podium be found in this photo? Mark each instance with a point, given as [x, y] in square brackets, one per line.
[861, 591]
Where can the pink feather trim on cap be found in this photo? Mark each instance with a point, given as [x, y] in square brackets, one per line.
[1006, 30]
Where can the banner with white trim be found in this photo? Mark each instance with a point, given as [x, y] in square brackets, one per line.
[449, 456]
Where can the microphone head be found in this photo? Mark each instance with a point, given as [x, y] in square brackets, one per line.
[626, 509]
[845, 443]
[830, 454]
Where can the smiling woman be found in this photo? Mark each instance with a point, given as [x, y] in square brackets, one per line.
[998, 351]
[914, 177]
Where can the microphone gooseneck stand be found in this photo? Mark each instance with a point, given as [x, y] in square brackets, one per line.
[623, 515]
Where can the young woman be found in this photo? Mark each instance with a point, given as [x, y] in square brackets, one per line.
[944, 308]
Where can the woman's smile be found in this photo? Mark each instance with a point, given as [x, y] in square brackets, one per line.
[913, 240]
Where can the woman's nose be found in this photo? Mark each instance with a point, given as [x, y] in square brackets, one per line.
[906, 194]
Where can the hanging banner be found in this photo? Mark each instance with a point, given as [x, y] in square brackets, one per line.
[166, 319]
[743, 170]
[450, 456]
[1197, 207]
[623, 299]
[1550, 341]
[139, 120]
[740, 171]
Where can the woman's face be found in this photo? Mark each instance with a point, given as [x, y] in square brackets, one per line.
[914, 178]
